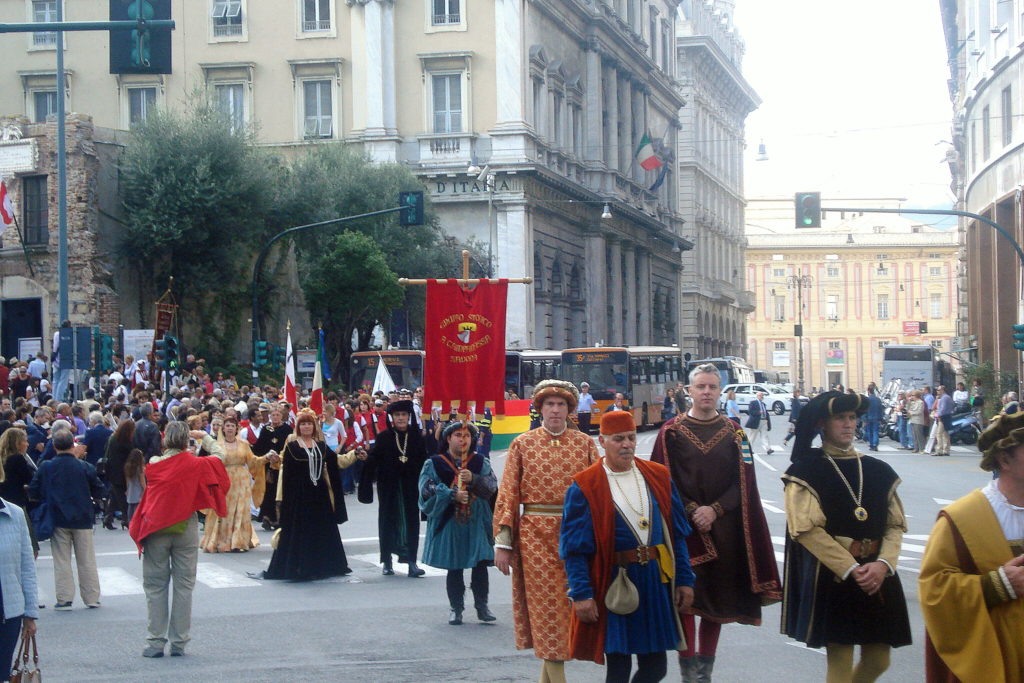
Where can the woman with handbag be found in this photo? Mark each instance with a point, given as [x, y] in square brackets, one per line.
[18, 585]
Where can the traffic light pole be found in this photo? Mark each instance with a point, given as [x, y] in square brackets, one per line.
[258, 267]
[60, 26]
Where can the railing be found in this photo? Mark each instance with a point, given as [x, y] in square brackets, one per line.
[44, 38]
[316, 25]
[445, 145]
[443, 19]
[222, 30]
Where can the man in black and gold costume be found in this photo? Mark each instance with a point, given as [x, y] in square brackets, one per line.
[272, 438]
[845, 527]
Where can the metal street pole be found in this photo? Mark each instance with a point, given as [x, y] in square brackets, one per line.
[799, 283]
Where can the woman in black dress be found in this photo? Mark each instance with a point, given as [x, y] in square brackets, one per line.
[118, 447]
[312, 505]
[18, 472]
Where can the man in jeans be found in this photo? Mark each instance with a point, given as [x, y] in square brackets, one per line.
[873, 417]
[67, 486]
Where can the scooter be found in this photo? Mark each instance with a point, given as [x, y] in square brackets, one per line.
[965, 428]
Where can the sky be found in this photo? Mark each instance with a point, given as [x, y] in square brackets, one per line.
[854, 99]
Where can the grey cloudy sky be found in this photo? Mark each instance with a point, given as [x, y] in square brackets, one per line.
[855, 98]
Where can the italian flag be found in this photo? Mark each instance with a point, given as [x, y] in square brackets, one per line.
[645, 155]
[6, 207]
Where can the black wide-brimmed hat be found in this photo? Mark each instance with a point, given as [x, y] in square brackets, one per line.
[401, 407]
[819, 408]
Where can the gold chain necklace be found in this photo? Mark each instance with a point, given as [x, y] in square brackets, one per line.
[401, 447]
[859, 512]
[643, 523]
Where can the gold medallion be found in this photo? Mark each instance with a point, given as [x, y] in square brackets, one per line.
[644, 523]
[860, 513]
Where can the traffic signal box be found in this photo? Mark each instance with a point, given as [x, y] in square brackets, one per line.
[104, 352]
[262, 353]
[167, 352]
[808, 209]
[140, 52]
[412, 211]
[1018, 337]
[280, 356]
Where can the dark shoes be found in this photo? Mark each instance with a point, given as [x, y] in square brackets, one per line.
[414, 571]
[484, 614]
[177, 651]
[455, 617]
[388, 570]
[153, 652]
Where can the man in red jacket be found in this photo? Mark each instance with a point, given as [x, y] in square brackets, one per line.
[166, 530]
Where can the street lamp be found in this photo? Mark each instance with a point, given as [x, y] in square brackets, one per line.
[485, 176]
[799, 283]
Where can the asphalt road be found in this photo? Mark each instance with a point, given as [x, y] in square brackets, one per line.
[367, 627]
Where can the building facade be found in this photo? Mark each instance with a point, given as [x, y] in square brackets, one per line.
[715, 300]
[545, 100]
[864, 281]
[985, 45]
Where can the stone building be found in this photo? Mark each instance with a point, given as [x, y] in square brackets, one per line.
[866, 281]
[546, 101]
[985, 47]
[714, 299]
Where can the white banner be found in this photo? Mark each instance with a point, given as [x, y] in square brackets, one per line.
[138, 343]
[780, 359]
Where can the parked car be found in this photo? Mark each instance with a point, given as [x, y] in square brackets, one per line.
[777, 401]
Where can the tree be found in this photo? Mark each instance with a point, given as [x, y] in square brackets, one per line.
[196, 201]
[333, 181]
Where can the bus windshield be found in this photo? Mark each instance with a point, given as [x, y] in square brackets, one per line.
[406, 369]
[605, 371]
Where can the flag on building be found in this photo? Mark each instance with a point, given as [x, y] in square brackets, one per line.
[382, 380]
[289, 379]
[645, 154]
[6, 206]
[316, 398]
[660, 179]
[321, 356]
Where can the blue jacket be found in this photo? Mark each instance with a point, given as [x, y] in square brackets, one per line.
[875, 409]
[68, 485]
[795, 406]
[36, 435]
[17, 566]
[96, 442]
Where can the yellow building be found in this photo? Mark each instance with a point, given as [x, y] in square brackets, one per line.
[864, 280]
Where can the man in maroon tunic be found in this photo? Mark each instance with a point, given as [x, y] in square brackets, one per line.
[730, 549]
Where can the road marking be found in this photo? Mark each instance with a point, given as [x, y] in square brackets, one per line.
[117, 581]
[374, 559]
[110, 554]
[916, 537]
[215, 576]
[942, 501]
[912, 547]
[766, 504]
[801, 646]
[762, 461]
[908, 569]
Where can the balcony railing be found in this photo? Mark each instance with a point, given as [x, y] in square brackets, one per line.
[317, 25]
[44, 38]
[223, 30]
[444, 19]
[446, 149]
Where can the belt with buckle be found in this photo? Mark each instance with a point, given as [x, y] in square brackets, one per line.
[549, 509]
[864, 548]
[642, 554]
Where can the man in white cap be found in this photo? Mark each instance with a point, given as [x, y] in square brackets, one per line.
[585, 407]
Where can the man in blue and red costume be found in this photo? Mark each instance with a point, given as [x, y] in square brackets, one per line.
[624, 515]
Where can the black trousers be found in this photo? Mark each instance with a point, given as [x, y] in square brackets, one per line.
[650, 668]
[478, 583]
[584, 420]
[117, 501]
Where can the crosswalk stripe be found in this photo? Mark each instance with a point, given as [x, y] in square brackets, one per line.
[215, 576]
[117, 581]
[771, 508]
[942, 501]
[374, 559]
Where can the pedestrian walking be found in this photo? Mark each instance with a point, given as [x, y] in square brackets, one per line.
[67, 486]
[795, 406]
[166, 530]
[845, 526]
[19, 593]
[873, 417]
[456, 487]
[917, 416]
[759, 425]
[624, 522]
[942, 414]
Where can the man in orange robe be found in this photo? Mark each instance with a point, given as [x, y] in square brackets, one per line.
[539, 469]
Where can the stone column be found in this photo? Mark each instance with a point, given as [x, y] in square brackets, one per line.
[616, 333]
[629, 298]
[644, 297]
[373, 17]
[611, 104]
[595, 278]
[388, 68]
[593, 111]
[626, 137]
[516, 259]
[509, 139]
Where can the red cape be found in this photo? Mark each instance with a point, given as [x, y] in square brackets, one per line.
[177, 487]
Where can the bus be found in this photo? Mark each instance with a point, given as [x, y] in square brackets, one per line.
[525, 368]
[641, 373]
[912, 365]
[404, 366]
[732, 369]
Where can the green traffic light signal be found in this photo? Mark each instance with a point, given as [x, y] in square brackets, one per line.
[412, 211]
[1018, 337]
[279, 356]
[161, 353]
[140, 9]
[171, 347]
[808, 209]
[104, 352]
[141, 50]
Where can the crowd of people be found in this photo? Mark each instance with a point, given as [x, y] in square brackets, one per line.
[611, 556]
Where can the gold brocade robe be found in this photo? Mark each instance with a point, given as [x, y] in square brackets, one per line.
[968, 638]
[539, 470]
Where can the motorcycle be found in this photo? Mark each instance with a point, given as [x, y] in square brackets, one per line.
[965, 428]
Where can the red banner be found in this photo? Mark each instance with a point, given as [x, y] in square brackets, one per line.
[464, 341]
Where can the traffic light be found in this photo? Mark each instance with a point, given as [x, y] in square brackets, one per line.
[279, 356]
[146, 51]
[171, 352]
[808, 209]
[262, 353]
[104, 352]
[412, 208]
[1018, 337]
[161, 353]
